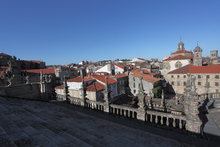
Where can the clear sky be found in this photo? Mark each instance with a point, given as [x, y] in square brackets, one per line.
[67, 31]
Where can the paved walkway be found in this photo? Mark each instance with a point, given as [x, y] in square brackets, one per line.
[34, 123]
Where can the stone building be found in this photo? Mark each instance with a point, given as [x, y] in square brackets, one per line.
[177, 59]
[149, 82]
[122, 83]
[205, 75]
[94, 89]
[93, 85]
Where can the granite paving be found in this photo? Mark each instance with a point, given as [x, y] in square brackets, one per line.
[37, 123]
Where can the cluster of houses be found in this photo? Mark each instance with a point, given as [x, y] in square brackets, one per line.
[121, 77]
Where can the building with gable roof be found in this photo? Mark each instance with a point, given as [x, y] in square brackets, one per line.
[207, 78]
[149, 81]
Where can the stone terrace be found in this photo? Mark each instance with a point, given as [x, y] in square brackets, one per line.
[36, 123]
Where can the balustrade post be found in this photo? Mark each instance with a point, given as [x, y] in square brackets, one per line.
[161, 120]
[174, 122]
[180, 124]
[167, 122]
[151, 118]
[156, 119]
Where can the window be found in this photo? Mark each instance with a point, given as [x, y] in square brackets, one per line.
[207, 76]
[134, 91]
[216, 84]
[199, 76]
[133, 78]
[178, 76]
[171, 76]
[178, 64]
[134, 85]
[199, 83]
[178, 83]
[172, 83]
[216, 90]
[184, 76]
[184, 83]
[217, 76]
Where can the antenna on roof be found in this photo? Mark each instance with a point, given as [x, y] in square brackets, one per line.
[197, 43]
[180, 38]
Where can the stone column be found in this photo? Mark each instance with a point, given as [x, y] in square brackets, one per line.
[191, 107]
[167, 122]
[174, 122]
[161, 120]
[156, 119]
[180, 124]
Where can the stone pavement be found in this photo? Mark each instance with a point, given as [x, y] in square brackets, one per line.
[213, 124]
[36, 123]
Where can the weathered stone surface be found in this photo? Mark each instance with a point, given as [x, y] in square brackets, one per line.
[33, 123]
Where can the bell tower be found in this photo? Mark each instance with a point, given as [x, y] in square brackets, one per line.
[197, 58]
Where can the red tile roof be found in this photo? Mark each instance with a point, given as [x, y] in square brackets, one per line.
[2, 73]
[145, 77]
[181, 51]
[102, 79]
[34, 61]
[95, 86]
[121, 76]
[79, 79]
[119, 65]
[4, 66]
[59, 87]
[197, 69]
[44, 71]
[179, 57]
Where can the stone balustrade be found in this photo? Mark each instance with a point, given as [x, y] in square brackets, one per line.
[123, 111]
[167, 119]
[151, 116]
[95, 105]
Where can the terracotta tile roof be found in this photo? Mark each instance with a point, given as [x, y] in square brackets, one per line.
[181, 51]
[4, 66]
[3, 54]
[59, 87]
[145, 77]
[95, 86]
[44, 71]
[179, 57]
[34, 61]
[2, 73]
[197, 69]
[144, 70]
[102, 78]
[79, 79]
[121, 76]
[119, 65]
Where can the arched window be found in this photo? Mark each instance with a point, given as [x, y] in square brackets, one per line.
[178, 64]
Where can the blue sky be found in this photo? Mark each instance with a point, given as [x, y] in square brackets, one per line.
[67, 31]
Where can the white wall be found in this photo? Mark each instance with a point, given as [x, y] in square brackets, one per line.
[118, 70]
[74, 85]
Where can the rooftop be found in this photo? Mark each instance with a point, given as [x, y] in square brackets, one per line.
[210, 69]
[44, 71]
[145, 76]
[179, 57]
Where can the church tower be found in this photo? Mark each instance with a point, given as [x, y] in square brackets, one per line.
[181, 46]
[197, 58]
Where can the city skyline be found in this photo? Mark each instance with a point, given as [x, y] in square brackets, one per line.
[63, 33]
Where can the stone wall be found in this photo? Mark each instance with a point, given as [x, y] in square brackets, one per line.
[178, 82]
[29, 91]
